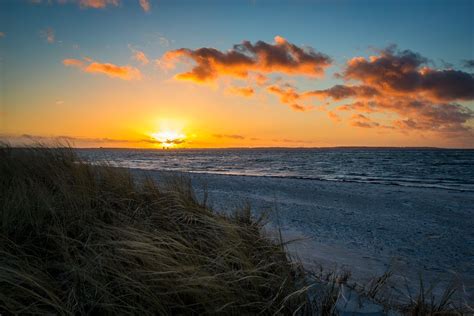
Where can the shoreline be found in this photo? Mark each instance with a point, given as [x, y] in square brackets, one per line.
[356, 226]
[313, 179]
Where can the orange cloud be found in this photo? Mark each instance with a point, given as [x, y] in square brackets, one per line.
[141, 57]
[243, 91]
[242, 59]
[289, 96]
[97, 4]
[287, 93]
[360, 120]
[73, 62]
[260, 79]
[2, 34]
[145, 4]
[334, 117]
[111, 70]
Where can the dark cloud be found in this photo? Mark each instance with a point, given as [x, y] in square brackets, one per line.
[363, 121]
[469, 63]
[360, 106]
[231, 136]
[175, 141]
[419, 114]
[404, 72]
[339, 92]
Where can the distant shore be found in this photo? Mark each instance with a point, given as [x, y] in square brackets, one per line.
[361, 227]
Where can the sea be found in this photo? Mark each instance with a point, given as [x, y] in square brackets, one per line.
[433, 168]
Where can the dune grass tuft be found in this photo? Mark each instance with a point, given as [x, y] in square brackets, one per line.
[83, 239]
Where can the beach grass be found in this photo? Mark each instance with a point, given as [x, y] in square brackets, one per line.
[82, 239]
[77, 239]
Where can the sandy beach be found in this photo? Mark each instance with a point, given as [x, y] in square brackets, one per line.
[360, 227]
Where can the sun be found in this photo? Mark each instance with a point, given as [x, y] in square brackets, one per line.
[169, 138]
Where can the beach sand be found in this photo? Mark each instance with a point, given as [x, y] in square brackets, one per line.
[360, 227]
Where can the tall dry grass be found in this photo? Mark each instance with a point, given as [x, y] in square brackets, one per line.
[82, 239]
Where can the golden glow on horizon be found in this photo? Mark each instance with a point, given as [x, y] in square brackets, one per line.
[169, 132]
[169, 138]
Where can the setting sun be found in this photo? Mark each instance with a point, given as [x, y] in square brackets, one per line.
[169, 138]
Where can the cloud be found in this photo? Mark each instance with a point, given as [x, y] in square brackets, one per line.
[287, 93]
[361, 106]
[175, 141]
[441, 117]
[94, 4]
[401, 72]
[334, 117]
[73, 62]
[121, 72]
[339, 92]
[243, 91]
[253, 62]
[261, 57]
[363, 121]
[2, 34]
[420, 114]
[392, 83]
[28, 139]
[25, 139]
[289, 96]
[48, 34]
[300, 142]
[145, 4]
[140, 56]
[468, 63]
[165, 42]
[233, 136]
[400, 83]
[114, 71]
[260, 79]
[97, 4]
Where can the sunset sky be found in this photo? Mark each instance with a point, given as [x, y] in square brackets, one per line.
[138, 73]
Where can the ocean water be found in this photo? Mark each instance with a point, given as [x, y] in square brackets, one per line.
[440, 168]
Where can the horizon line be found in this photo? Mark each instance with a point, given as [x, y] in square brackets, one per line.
[270, 147]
